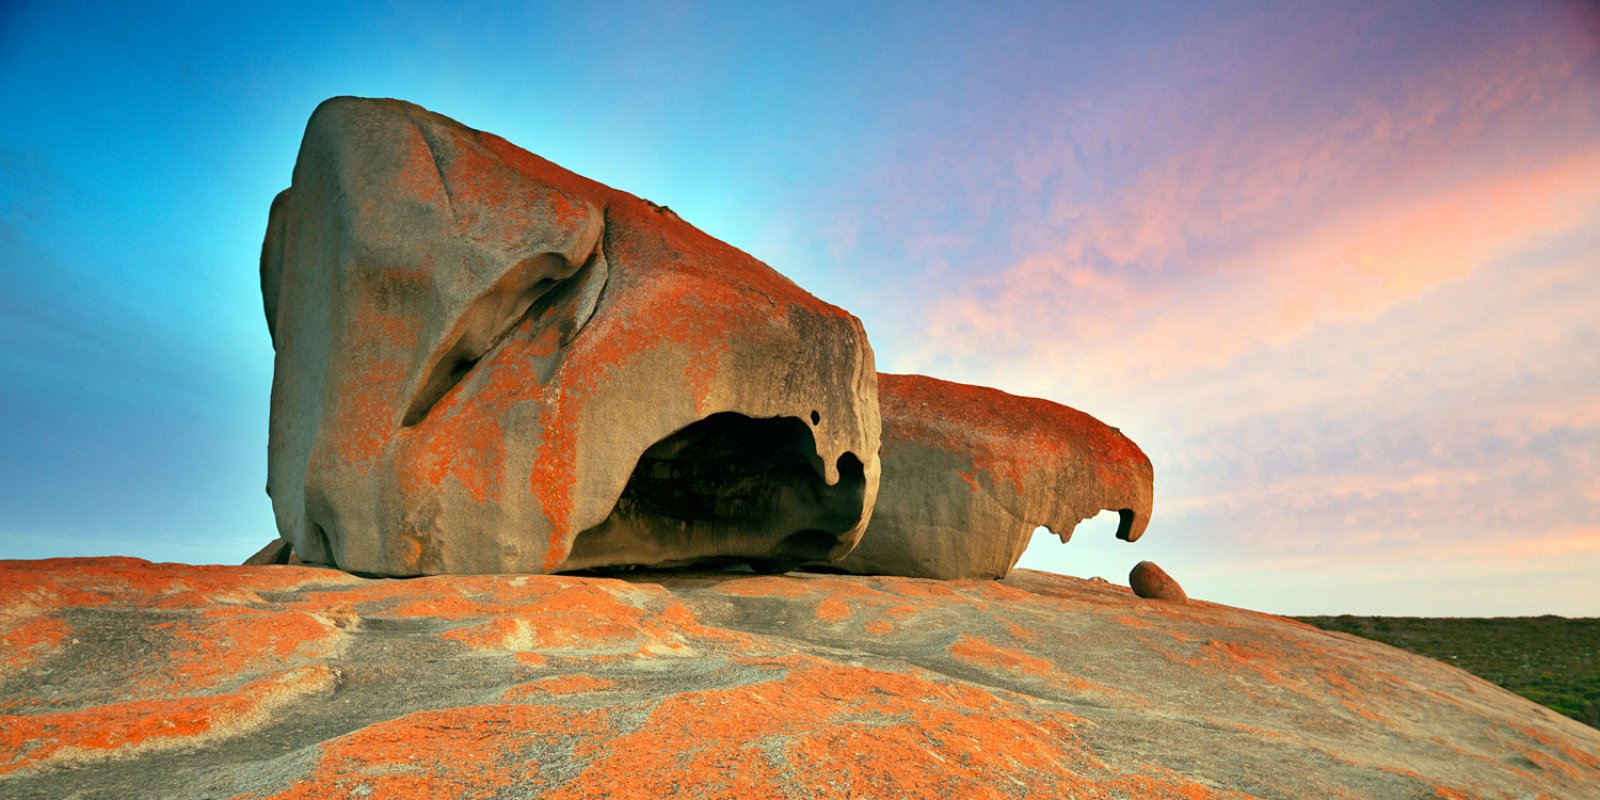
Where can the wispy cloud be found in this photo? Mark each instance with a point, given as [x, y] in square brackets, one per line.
[1350, 310]
[1256, 233]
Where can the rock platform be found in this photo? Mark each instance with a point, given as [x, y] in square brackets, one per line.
[122, 678]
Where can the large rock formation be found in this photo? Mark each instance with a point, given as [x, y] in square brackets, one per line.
[486, 363]
[969, 472]
[125, 679]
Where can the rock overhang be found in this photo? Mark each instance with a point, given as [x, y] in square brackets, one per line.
[475, 348]
[970, 471]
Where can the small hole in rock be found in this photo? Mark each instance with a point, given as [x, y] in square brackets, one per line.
[815, 417]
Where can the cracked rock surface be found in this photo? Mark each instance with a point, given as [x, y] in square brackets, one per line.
[125, 679]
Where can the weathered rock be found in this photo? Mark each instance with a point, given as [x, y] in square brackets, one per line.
[486, 363]
[276, 551]
[125, 679]
[1150, 581]
[969, 472]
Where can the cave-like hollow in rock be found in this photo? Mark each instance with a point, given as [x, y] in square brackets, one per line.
[728, 488]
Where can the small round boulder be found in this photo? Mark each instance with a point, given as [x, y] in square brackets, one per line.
[1151, 581]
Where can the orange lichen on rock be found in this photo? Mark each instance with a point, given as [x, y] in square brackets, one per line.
[1019, 632]
[812, 726]
[121, 730]
[474, 751]
[1589, 759]
[1165, 785]
[94, 582]
[25, 638]
[224, 642]
[435, 409]
[832, 610]
[981, 653]
[294, 682]
[1227, 656]
[583, 617]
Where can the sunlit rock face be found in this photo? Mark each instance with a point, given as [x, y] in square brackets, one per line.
[486, 363]
[969, 472]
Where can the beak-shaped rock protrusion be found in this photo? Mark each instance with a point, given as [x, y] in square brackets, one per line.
[969, 472]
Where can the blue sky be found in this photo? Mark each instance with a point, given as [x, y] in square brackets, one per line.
[1337, 269]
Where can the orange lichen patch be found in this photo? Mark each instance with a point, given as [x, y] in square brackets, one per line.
[120, 730]
[516, 634]
[28, 588]
[1362, 711]
[1589, 760]
[971, 478]
[226, 642]
[456, 441]
[1131, 621]
[550, 479]
[1447, 793]
[823, 727]
[879, 627]
[1019, 632]
[832, 610]
[364, 412]
[579, 616]
[1255, 731]
[1216, 653]
[678, 614]
[451, 597]
[1402, 772]
[133, 582]
[473, 751]
[1551, 762]
[1348, 694]
[1165, 784]
[575, 683]
[980, 653]
[24, 641]
[463, 437]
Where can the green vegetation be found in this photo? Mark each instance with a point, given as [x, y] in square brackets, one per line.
[1553, 661]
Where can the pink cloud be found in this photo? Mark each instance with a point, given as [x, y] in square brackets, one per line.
[1259, 233]
[1356, 337]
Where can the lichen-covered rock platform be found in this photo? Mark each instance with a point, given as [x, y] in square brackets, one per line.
[120, 678]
